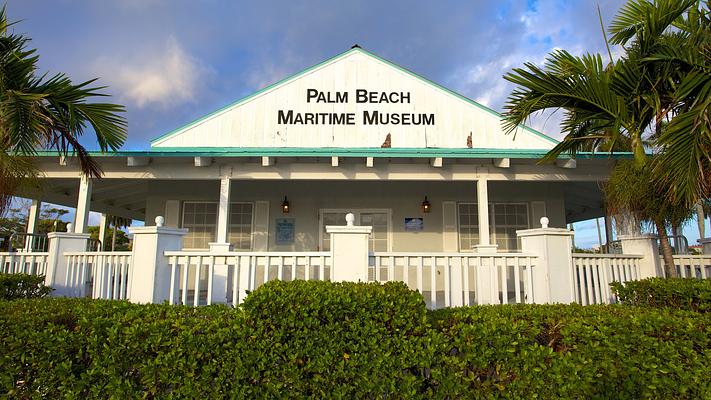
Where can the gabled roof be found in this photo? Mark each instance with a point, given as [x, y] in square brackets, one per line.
[160, 142]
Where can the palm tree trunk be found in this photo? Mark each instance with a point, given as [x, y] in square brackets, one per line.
[667, 253]
[113, 240]
[700, 218]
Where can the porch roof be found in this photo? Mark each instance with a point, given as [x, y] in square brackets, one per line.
[402, 152]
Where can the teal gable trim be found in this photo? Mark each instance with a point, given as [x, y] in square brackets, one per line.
[255, 94]
[332, 59]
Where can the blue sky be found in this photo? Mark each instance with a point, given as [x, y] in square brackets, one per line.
[171, 62]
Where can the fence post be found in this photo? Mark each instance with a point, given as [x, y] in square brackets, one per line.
[646, 246]
[553, 275]
[57, 269]
[705, 245]
[486, 275]
[349, 251]
[150, 269]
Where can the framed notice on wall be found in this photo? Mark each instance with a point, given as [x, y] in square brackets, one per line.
[414, 224]
[285, 231]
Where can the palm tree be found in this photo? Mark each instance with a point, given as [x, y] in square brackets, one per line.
[647, 96]
[675, 48]
[634, 190]
[49, 112]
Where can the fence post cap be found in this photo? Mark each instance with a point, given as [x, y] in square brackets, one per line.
[544, 222]
[350, 218]
[70, 227]
[160, 220]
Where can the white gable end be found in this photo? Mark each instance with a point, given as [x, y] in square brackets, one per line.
[352, 101]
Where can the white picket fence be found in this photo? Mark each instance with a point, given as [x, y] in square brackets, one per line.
[103, 274]
[23, 263]
[199, 278]
[594, 272]
[446, 279]
[689, 266]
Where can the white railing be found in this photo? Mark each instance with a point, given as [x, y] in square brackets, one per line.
[688, 266]
[199, 278]
[104, 273]
[33, 263]
[594, 272]
[447, 279]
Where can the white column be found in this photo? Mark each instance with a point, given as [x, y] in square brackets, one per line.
[102, 230]
[81, 218]
[66, 280]
[32, 219]
[150, 268]
[553, 279]
[647, 246]
[221, 276]
[482, 194]
[223, 214]
[349, 251]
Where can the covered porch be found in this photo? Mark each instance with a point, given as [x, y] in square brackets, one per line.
[473, 202]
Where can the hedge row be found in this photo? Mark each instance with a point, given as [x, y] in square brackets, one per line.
[322, 340]
[22, 286]
[678, 293]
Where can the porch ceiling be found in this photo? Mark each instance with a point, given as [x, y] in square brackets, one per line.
[583, 200]
[118, 197]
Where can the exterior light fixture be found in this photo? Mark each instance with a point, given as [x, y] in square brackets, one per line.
[426, 206]
[285, 206]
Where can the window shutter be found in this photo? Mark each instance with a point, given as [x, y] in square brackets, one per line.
[260, 232]
[450, 232]
[172, 213]
[538, 211]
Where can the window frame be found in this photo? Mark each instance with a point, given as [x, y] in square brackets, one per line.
[492, 220]
[182, 220]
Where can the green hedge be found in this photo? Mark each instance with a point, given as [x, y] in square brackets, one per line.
[571, 351]
[322, 340]
[678, 293]
[21, 286]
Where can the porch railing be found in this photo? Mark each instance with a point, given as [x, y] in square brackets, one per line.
[205, 278]
[23, 263]
[101, 274]
[690, 266]
[446, 279]
[593, 274]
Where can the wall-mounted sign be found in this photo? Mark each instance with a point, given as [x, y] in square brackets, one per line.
[414, 224]
[367, 117]
[285, 231]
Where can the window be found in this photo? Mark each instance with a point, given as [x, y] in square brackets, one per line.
[379, 219]
[240, 226]
[468, 225]
[200, 218]
[508, 218]
[504, 220]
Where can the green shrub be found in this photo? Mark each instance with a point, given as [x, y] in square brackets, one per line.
[323, 340]
[345, 340]
[22, 286]
[571, 351]
[676, 293]
[70, 348]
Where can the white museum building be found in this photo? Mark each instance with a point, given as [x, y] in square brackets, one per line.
[441, 197]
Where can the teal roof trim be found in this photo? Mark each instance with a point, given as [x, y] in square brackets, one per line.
[343, 152]
[345, 53]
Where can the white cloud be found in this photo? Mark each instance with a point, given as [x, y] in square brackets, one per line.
[164, 77]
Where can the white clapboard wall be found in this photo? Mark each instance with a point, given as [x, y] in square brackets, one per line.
[253, 121]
